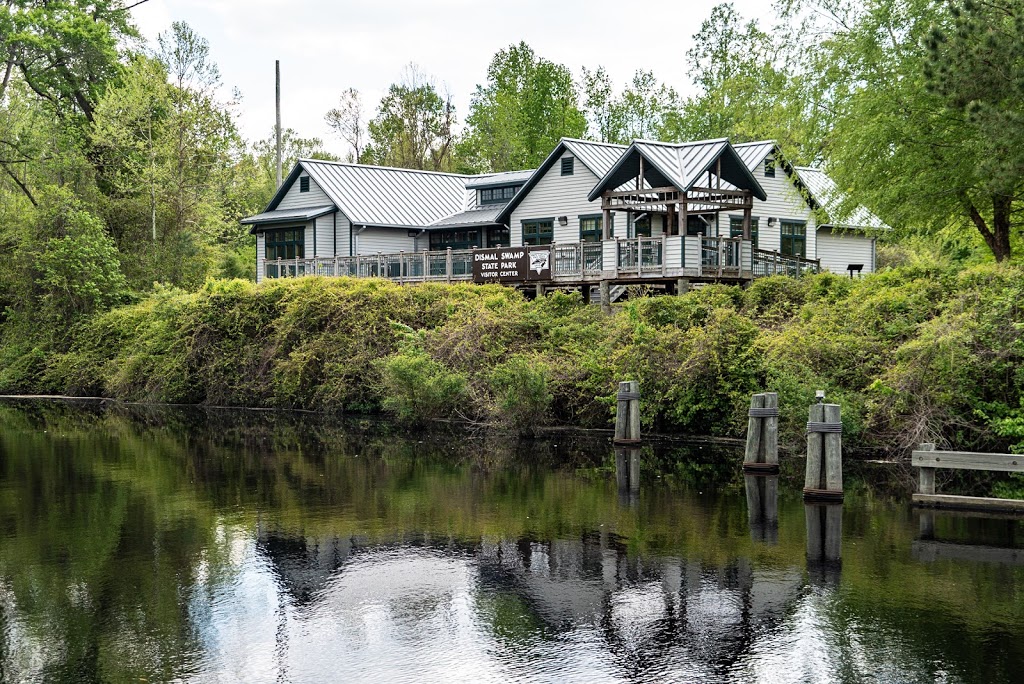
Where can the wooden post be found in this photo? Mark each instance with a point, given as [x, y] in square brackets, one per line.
[926, 476]
[682, 286]
[448, 264]
[824, 476]
[606, 297]
[815, 449]
[627, 414]
[539, 290]
[762, 452]
[606, 224]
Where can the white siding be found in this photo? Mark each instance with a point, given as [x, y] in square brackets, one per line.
[784, 202]
[384, 240]
[294, 199]
[556, 195]
[838, 250]
[260, 254]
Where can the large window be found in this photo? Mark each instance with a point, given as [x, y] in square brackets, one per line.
[498, 195]
[498, 236]
[441, 240]
[538, 232]
[736, 228]
[699, 225]
[794, 238]
[591, 228]
[284, 243]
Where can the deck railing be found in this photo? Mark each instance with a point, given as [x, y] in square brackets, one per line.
[627, 257]
[767, 263]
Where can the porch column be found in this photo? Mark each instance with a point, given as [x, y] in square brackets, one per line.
[748, 203]
[606, 221]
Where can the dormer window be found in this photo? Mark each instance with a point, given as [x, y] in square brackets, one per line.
[567, 166]
[303, 183]
[769, 168]
[498, 195]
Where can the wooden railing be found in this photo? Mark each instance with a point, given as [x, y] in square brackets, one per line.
[640, 257]
[767, 263]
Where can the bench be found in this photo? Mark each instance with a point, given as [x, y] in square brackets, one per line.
[928, 460]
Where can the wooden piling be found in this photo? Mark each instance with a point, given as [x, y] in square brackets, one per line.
[823, 480]
[627, 414]
[762, 451]
[606, 297]
[682, 286]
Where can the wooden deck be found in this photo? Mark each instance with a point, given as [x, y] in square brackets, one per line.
[622, 261]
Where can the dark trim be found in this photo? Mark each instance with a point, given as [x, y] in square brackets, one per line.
[334, 216]
[314, 238]
[286, 185]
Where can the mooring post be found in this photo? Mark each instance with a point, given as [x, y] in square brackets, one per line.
[627, 413]
[823, 479]
[762, 451]
[606, 297]
[926, 476]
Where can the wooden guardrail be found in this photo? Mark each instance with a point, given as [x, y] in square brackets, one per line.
[929, 460]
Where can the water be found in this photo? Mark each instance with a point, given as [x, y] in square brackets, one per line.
[172, 545]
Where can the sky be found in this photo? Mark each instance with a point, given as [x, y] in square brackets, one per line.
[326, 47]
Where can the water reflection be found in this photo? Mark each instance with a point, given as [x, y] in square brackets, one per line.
[165, 545]
[762, 507]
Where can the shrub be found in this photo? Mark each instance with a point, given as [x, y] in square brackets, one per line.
[520, 388]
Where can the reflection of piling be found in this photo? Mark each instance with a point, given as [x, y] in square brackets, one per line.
[824, 542]
[627, 415]
[763, 507]
[627, 473]
[762, 452]
[824, 478]
[927, 526]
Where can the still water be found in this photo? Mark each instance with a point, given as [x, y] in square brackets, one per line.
[169, 545]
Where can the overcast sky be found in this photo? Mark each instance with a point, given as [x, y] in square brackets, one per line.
[326, 46]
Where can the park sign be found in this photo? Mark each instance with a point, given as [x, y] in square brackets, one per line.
[511, 264]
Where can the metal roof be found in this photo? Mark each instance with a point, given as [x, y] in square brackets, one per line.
[472, 217]
[487, 180]
[823, 190]
[753, 153]
[597, 156]
[288, 215]
[680, 165]
[384, 196]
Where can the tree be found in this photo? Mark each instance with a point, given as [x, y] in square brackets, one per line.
[346, 120]
[644, 109]
[414, 126]
[749, 87]
[927, 126]
[527, 106]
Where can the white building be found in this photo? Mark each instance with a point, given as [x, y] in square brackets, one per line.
[675, 210]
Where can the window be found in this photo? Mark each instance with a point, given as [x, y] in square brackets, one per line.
[538, 232]
[736, 228]
[441, 240]
[497, 195]
[303, 183]
[567, 166]
[591, 228]
[284, 243]
[769, 168]
[498, 236]
[794, 238]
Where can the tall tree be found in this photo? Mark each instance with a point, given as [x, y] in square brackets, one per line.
[346, 120]
[414, 127]
[644, 108]
[928, 126]
[518, 117]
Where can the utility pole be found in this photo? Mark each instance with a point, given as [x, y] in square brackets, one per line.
[277, 129]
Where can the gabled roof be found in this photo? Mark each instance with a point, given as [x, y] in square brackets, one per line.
[753, 153]
[288, 215]
[597, 157]
[824, 191]
[680, 165]
[385, 196]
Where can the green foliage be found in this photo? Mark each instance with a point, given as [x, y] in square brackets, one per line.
[517, 118]
[520, 387]
[418, 389]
